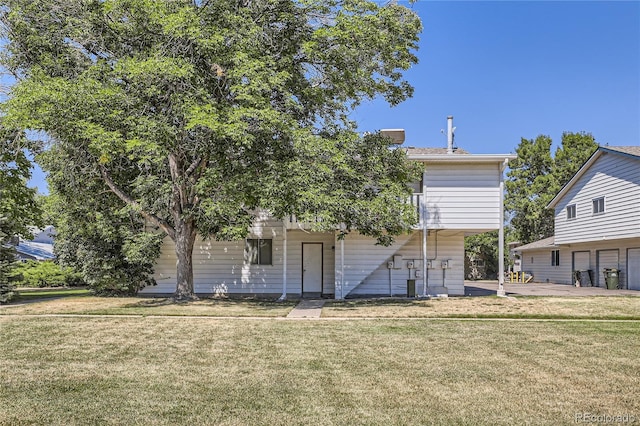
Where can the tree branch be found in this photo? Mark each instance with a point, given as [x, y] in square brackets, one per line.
[163, 224]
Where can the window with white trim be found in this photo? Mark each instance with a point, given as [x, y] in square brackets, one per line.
[571, 211]
[598, 205]
[555, 257]
[258, 251]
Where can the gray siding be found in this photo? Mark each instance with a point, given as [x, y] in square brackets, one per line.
[617, 178]
[465, 196]
[538, 263]
[600, 253]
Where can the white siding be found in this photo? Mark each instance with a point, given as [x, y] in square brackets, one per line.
[602, 254]
[538, 263]
[295, 238]
[219, 266]
[463, 196]
[366, 271]
[617, 178]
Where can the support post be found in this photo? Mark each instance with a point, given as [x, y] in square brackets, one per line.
[342, 269]
[425, 233]
[284, 261]
[501, 291]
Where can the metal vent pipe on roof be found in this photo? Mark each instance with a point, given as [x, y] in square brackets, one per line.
[450, 130]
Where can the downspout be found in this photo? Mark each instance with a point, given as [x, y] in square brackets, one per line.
[284, 262]
[501, 291]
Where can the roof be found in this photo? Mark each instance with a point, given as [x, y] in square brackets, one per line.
[540, 244]
[628, 151]
[37, 251]
[440, 155]
[432, 151]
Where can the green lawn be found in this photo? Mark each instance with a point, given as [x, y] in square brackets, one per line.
[174, 370]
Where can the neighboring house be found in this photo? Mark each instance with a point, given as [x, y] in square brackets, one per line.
[459, 194]
[39, 248]
[597, 223]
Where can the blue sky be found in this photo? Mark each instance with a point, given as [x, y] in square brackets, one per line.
[512, 69]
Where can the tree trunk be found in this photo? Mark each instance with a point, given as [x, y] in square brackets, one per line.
[185, 237]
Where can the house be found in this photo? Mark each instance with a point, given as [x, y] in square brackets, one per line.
[39, 248]
[459, 194]
[597, 223]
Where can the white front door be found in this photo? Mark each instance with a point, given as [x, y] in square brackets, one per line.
[633, 269]
[312, 268]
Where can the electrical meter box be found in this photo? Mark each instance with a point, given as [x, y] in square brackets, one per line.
[410, 264]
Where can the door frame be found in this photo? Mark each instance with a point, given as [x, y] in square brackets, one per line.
[321, 267]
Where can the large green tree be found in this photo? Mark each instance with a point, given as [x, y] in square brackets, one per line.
[194, 113]
[535, 177]
[18, 207]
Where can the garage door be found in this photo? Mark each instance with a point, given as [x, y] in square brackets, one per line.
[606, 259]
[581, 263]
[633, 269]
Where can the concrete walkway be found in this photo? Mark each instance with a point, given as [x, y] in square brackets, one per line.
[307, 308]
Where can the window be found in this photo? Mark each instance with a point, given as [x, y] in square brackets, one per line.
[571, 211]
[258, 251]
[598, 205]
[555, 257]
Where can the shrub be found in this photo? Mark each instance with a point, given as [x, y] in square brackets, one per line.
[46, 274]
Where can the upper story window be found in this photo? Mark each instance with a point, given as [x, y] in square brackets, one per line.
[598, 205]
[555, 257]
[258, 251]
[571, 211]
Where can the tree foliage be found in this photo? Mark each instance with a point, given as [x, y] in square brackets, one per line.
[196, 113]
[535, 177]
[18, 208]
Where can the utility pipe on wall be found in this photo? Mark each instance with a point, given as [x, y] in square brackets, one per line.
[284, 261]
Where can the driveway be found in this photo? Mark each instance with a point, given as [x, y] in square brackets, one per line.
[486, 288]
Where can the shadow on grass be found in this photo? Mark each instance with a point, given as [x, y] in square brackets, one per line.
[354, 304]
[209, 302]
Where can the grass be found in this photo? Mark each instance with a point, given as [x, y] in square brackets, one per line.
[522, 307]
[92, 305]
[172, 370]
[43, 293]
[553, 307]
